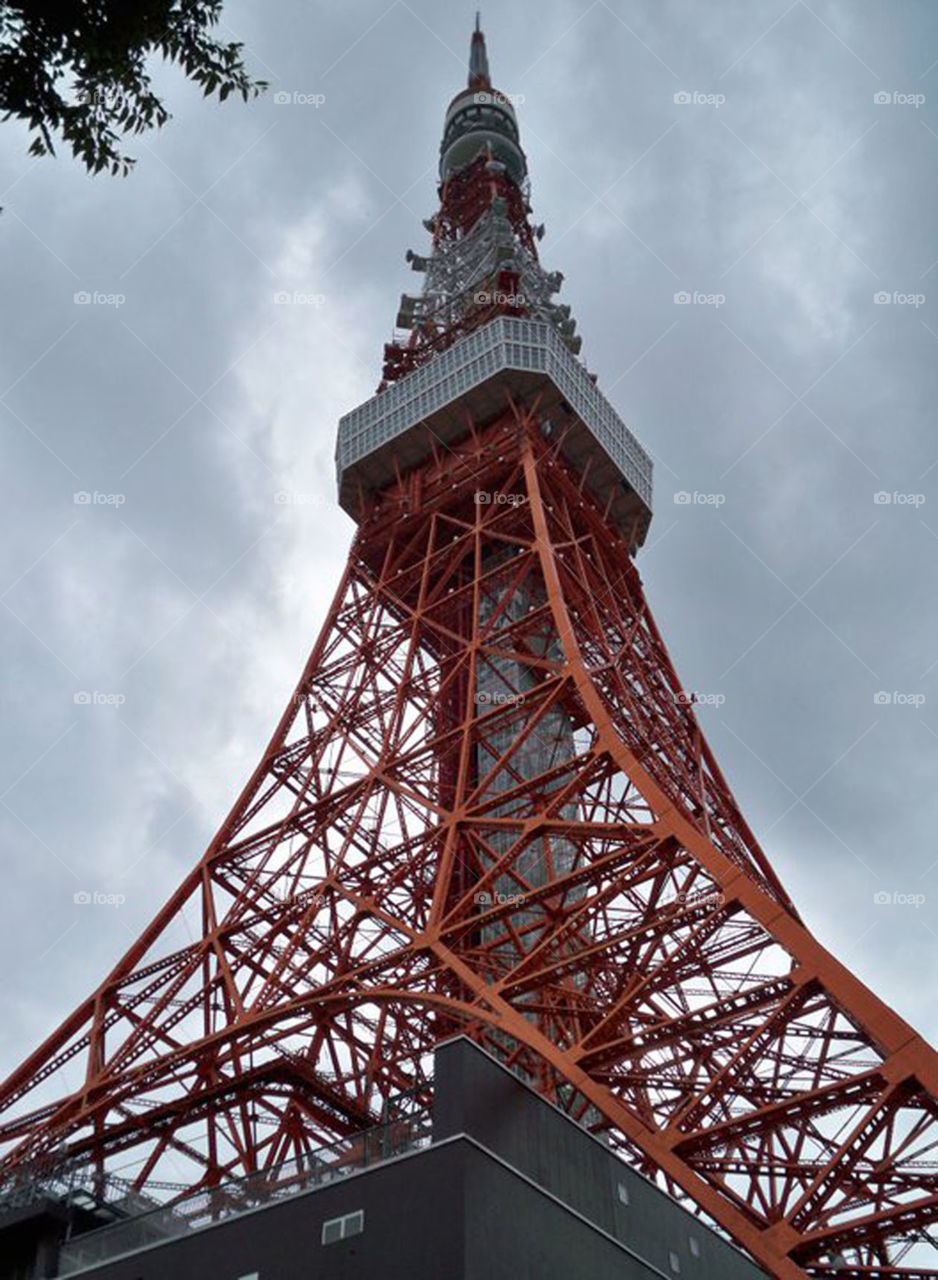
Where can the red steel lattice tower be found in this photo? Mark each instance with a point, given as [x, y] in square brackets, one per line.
[489, 808]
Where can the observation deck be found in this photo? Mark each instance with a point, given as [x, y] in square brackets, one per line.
[394, 431]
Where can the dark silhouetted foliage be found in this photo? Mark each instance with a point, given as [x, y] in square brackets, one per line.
[76, 69]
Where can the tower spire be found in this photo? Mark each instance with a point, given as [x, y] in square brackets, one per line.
[483, 261]
[478, 58]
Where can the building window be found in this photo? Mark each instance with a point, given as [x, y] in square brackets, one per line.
[350, 1224]
[623, 1193]
[694, 1246]
[675, 1262]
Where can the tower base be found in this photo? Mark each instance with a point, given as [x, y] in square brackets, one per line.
[494, 1184]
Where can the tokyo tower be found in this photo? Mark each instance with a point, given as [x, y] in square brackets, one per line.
[489, 810]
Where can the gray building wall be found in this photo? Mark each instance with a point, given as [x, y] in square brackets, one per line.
[477, 1095]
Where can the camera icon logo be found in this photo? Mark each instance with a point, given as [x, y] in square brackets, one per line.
[82, 699]
[682, 97]
[882, 98]
[882, 698]
[882, 299]
[83, 297]
[82, 897]
[682, 498]
[483, 899]
[281, 98]
[682, 298]
[882, 898]
[882, 498]
[81, 499]
[282, 296]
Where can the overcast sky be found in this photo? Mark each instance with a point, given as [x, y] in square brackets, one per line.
[783, 197]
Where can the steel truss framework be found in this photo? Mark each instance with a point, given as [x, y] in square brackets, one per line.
[371, 892]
